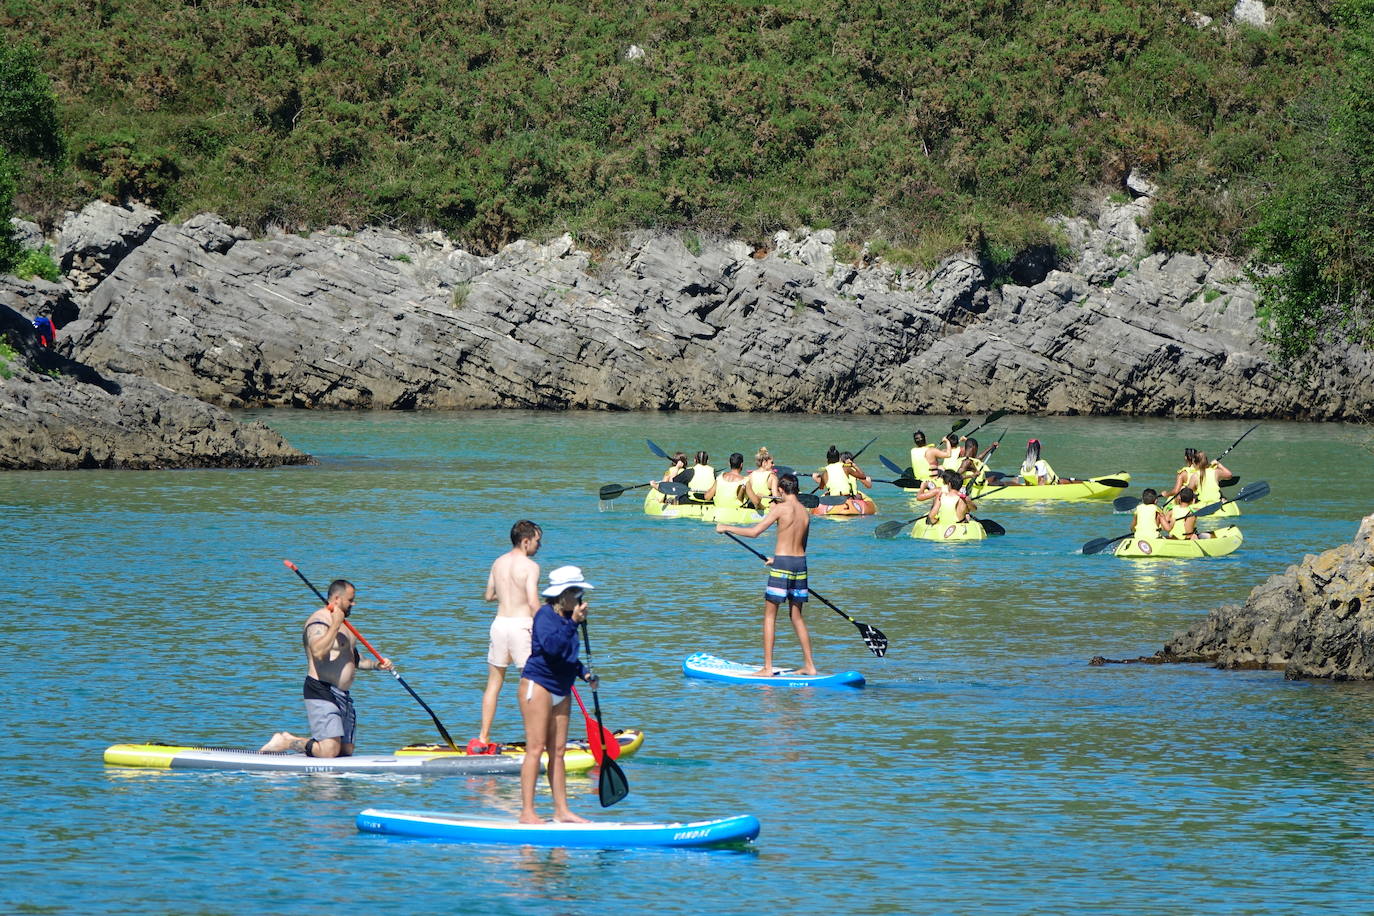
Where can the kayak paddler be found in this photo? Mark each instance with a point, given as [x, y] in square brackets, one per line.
[925, 459]
[727, 490]
[1181, 520]
[1187, 476]
[950, 505]
[762, 483]
[702, 479]
[973, 469]
[1148, 522]
[1210, 475]
[332, 661]
[545, 688]
[676, 472]
[842, 477]
[787, 571]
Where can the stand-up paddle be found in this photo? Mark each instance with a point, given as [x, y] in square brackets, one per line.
[872, 636]
[443, 732]
[612, 786]
[1256, 490]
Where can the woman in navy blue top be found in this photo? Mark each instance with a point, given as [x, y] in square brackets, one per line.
[545, 683]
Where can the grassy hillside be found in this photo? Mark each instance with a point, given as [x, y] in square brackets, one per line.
[926, 125]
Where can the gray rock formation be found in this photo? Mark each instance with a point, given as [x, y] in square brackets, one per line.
[382, 319]
[1314, 620]
[95, 240]
[56, 414]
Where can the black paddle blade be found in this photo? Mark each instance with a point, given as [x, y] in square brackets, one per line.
[1112, 482]
[873, 638]
[1229, 482]
[613, 786]
[611, 491]
[672, 488]
[1096, 545]
[1125, 503]
[906, 483]
[889, 530]
[783, 469]
[831, 499]
[809, 500]
[1254, 490]
[892, 466]
[655, 449]
[958, 425]
[992, 528]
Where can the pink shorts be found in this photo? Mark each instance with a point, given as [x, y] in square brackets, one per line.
[510, 641]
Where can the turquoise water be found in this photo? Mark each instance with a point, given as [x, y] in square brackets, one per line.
[985, 767]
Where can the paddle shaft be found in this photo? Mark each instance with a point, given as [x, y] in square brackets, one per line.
[448, 739]
[613, 785]
[821, 598]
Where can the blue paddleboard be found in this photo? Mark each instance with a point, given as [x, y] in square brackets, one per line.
[718, 669]
[599, 834]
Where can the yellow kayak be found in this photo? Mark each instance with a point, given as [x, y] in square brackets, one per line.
[1225, 540]
[1095, 488]
[577, 756]
[655, 506]
[959, 531]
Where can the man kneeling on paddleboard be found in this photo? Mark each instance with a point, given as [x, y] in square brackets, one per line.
[545, 684]
[332, 656]
[787, 576]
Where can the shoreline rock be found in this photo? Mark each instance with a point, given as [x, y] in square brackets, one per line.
[380, 319]
[1314, 620]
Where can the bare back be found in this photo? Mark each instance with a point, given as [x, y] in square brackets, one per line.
[794, 526]
[514, 584]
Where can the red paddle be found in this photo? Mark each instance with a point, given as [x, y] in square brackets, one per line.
[600, 739]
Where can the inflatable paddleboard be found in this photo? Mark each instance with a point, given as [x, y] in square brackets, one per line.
[600, 834]
[718, 669]
[172, 757]
[577, 757]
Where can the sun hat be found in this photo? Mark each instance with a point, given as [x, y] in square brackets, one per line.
[564, 578]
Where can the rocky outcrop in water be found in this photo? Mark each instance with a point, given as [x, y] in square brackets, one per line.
[1314, 620]
[383, 319]
[56, 413]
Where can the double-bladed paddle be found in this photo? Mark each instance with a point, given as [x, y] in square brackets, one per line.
[1252, 491]
[990, 418]
[872, 636]
[612, 786]
[666, 487]
[394, 673]
[1127, 503]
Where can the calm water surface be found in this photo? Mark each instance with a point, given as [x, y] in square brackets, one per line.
[986, 766]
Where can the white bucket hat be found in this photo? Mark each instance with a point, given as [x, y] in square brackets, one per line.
[564, 578]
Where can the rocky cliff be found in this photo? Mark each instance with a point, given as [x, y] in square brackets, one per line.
[1316, 619]
[57, 413]
[383, 319]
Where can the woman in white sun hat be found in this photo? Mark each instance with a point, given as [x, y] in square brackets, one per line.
[545, 684]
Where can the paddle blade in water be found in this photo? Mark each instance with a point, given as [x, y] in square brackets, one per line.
[991, 527]
[1125, 503]
[888, 530]
[1096, 545]
[892, 466]
[1113, 482]
[873, 638]
[612, 786]
[611, 491]
[809, 500]
[1254, 490]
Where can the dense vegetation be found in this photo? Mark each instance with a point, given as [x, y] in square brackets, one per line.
[927, 126]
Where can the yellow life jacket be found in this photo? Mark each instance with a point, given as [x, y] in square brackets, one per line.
[920, 464]
[1146, 522]
[728, 493]
[952, 462]
[761, 482]
[838, 482]
[949, 504]
[1209, 490]
[703, 475]
[1180, 516]
[980, 472]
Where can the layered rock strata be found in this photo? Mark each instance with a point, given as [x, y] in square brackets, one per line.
[387, 320]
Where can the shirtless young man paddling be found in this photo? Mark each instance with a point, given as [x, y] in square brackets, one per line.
[513, 584]
[332, 655]
[787, 578]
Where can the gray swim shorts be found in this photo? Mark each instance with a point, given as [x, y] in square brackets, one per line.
[332, 718]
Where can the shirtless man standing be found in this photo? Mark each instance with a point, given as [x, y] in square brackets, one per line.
[514, 585]
[787, 578]
[332, 653]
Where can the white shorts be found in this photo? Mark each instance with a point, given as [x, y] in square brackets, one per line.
[510, 641]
